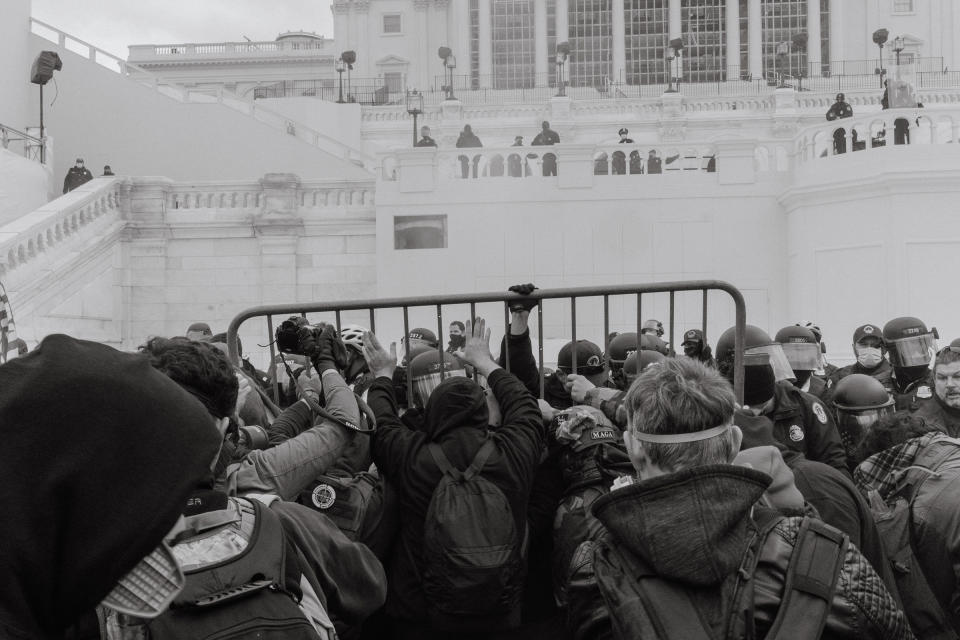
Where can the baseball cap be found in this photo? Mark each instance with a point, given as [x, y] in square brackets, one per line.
[589, 358]
[623, 131]
[867, 330]
[693, 335]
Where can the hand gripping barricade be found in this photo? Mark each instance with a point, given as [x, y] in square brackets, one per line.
[623, 294]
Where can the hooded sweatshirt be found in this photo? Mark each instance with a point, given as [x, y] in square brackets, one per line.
[456, 418]
[100, 452]
[692, 528]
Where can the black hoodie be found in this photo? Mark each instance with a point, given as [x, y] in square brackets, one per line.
[100, 452]
[456, 417]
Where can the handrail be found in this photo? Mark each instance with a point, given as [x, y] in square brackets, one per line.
[506, 298]
[227, 98]
[23, 136]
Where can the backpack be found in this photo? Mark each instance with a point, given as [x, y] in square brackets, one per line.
[472, 552]
[643, 605]
[894, 520]
[243, 596]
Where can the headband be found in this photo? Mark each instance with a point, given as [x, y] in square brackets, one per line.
[675, 438]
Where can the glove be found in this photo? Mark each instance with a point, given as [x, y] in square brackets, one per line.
[331, 353]
[523, 290]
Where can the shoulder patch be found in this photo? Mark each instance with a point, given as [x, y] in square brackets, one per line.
[796, 433]
[820, 413]
[924, 392]
[324, 496]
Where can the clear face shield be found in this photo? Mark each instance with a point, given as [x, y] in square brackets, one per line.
[913, 351]
[802, 356]
[854, 424]
[424, 385]
[778, 360]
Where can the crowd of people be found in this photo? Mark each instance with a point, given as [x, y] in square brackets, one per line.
[354, 491]
[517, 165]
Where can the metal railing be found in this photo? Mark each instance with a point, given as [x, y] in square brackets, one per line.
[32, 146]
[366, 91]
[437, 303]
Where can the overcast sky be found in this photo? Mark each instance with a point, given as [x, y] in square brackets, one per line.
[112, 25]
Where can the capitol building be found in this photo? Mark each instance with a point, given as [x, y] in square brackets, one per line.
[284, 172]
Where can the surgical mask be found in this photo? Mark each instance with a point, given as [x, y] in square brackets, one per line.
[869, 357]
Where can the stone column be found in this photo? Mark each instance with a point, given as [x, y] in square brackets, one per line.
[563, 21]
[813, 41]
[462, 46]
[836, 35]
[365, 67]
[486, 43]
[755, 38]
[619, 44]
[733, 40]
[675, 30]
[541, 55]
[278, 226]
[427, 68]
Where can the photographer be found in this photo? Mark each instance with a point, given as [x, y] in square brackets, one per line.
[286, 469]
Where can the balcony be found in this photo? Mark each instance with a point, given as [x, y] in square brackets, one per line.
[148, 55]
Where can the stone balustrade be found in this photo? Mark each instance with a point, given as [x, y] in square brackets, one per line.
[169, 53]
[877, 131]
[251, 197]
[62, 223]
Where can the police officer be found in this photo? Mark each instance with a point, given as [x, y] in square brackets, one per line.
[871, 352]
[824, 369]
[620, 348]
[801, 422]
[803, 353]
[695, 346]
[911, 348]
[859, 402]
[838, 110]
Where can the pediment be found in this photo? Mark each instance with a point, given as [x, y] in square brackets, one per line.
[392, 61]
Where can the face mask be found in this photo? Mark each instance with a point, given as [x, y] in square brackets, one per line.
[691, 349]
[868, 357]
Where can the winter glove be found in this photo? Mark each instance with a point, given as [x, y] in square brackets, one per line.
[331, 353]
[523, 290]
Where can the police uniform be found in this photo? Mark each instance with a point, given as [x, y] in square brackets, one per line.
[802, 423]
[912, 395]
[816, 387]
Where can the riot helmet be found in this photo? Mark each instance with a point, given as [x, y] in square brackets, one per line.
[637, 362]
[427, 372]
[909, 343]
[860, 401]
[650, 342]
[621, 346]
[653, 325]
[801, 350]
[756, 340]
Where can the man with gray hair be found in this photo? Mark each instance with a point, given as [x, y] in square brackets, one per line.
[677, 555]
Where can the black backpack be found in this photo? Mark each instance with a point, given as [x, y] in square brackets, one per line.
[894, 519]
[643, 605]
[472, 552]
[242, 597]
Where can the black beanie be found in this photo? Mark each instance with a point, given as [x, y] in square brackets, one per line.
[100, 452]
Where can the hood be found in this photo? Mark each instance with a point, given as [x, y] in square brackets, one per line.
[100, 452]
[456, 403]
[710, 505]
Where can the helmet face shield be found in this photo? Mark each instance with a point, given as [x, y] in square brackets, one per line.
[854, 425]
[802, 356]
[424, 385]
[913, 351]
[778, 360]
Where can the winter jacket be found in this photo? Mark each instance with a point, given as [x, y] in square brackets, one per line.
[936, 519]
[692, 528]
[935, 412]
[909, 394]
[287, 468]
[522, 362]
[456, 417]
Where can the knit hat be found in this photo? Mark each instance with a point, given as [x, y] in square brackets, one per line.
[100, 452]
[782, 492]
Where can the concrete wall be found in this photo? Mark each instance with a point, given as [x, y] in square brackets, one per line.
[108, 119]
[339, 121]
[15, 107]
[621, 231]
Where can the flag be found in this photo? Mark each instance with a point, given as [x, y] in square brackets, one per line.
[9, 342]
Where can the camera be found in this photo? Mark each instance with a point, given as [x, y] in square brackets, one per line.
[296, 335]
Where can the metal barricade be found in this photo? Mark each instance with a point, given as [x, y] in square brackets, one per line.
[506, 298]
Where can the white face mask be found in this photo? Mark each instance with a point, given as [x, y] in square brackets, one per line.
[869, 357]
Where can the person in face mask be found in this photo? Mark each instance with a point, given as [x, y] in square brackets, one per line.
[801, 423]
[456, 338]
[871, 352]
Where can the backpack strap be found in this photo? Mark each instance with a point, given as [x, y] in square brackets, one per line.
[439, 457]
[479, 460]
[811, 580]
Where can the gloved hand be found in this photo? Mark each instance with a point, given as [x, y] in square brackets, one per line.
[577, 386]
[331, 353]
[523, 290]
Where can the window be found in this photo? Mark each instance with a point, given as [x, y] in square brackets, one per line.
[392, 23]
[420, 232]
[591, 42]
[645, 29]
[781, 19]
[703, 30]
[513, 44]
[903, 6]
